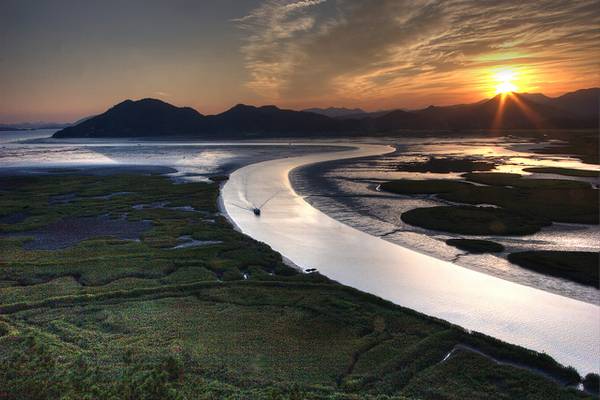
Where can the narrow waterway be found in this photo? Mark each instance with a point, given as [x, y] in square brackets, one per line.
[566, 329]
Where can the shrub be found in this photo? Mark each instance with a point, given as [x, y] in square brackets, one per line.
[591, 383]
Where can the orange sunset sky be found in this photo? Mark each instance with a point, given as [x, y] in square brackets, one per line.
[62, 60]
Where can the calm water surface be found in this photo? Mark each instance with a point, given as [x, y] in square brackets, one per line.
[347, 191]
[567, 329]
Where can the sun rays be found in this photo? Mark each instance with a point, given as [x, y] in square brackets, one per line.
[504, 79]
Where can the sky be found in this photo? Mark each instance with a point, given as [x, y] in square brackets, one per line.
[61, 60]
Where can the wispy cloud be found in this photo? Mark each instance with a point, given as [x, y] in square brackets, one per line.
[271, 51]
[390, 49]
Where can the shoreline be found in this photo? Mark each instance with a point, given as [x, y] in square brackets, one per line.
[354, 200]
[452, 305]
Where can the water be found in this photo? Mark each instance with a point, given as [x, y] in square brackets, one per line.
[17, 136]
[346, 190]
[567, 329]
[35, 152]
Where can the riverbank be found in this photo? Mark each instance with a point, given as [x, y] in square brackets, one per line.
[476, 301]
[172, 321]
[349, 191]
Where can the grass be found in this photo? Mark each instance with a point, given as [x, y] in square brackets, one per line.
[109, 318]
[579, 143]
[429, 186]
[471, 220]
[448, 381]
[591, 383]
[219, 178]
[448, 164]
[517, 181]
[584, 173]
[555, 200]
[578, 266]
[476, 246]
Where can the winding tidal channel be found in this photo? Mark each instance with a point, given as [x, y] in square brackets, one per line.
[566, 329]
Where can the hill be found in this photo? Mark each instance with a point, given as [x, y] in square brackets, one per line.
[512, 111]
[337, 112]
[243, 120]
[146, 117]
[151, 117]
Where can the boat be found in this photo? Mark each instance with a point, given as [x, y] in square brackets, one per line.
[256, 211]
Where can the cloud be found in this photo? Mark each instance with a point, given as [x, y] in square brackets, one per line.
[270, 51]
[162, 94]
[366, 49]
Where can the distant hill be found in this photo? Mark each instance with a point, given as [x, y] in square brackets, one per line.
[151, 117]
[514, 111]
[337, 112]
[583, 102]
[147, 117]
[269, 121]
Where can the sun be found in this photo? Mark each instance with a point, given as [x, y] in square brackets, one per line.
[505, 87]
[504, 80]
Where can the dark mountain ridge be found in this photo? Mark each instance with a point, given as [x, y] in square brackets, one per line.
[337, 112]
[269, 120]
[146, 117]
[154, 118]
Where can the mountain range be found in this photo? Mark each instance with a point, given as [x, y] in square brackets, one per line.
[338, 112]
[155, 118]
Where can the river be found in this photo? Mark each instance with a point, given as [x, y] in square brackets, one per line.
[565, 328]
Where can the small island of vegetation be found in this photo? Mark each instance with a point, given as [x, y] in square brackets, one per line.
[582, 173]
[476, 246]
[495, 203]
[472, 220]
[448, 164]
[555, 200]
[577, 266]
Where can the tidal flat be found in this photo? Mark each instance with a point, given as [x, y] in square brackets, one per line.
[557, 190]
[226, 320]
[204, 309]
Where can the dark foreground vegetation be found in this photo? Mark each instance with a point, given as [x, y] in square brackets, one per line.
[583, 144]
[540, 201]
[109, 318]
[578, 266]
[584, 173]
[591, 383]
[508, 204]
[471, 220]
[476, 246]
[443, 165]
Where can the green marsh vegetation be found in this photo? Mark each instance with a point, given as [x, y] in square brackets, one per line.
[591, 383]
[578, 266]
[471, 220]
[476, 246]
[448, 164]
[108, 318]
[547, 200]
[494, 203]
[583, 173]
[583, 144]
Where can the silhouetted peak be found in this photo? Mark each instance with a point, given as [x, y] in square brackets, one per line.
[124, 103]
[270, 107]
[240, 107]
[244, 108]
